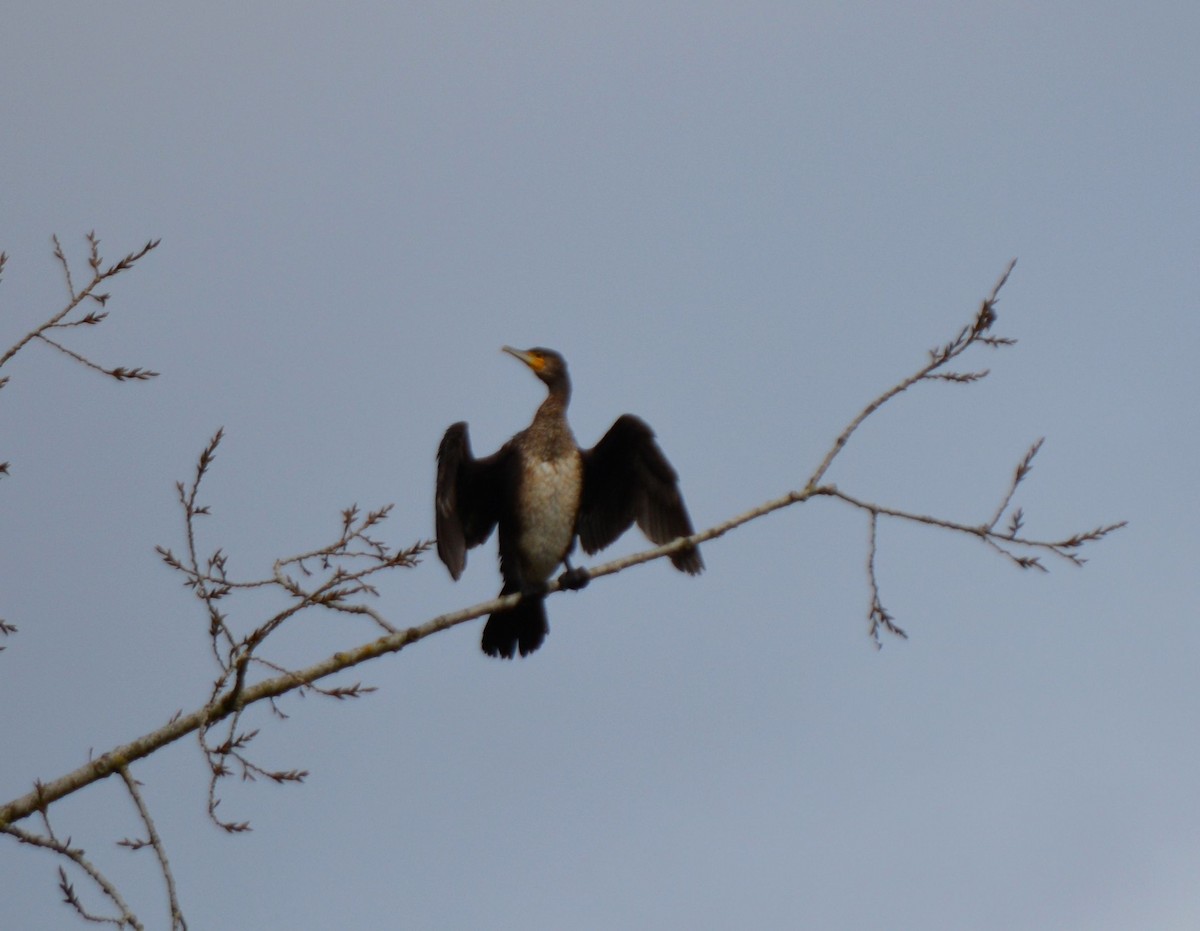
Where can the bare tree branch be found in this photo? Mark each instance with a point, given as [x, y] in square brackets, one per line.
[76, 855]
[878, 616]
[77, 298]
[60, 319]
[1065, 548]
[340, 577]
[120, 373]
[177, 920]
[972, 333]
[232, 692]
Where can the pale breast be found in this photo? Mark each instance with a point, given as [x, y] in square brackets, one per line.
[548, 507]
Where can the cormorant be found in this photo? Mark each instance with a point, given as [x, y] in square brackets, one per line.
[543, 491]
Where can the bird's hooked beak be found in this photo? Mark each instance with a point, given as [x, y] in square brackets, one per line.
[534, 360]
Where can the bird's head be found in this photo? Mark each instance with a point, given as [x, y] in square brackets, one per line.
[546, 364]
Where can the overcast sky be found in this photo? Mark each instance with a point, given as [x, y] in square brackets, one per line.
[739, 221]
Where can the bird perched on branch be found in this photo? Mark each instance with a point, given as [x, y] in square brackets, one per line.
[543, 491]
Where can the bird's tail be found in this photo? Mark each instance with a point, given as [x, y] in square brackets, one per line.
[521, 628]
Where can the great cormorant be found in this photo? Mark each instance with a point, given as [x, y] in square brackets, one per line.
[543, 491]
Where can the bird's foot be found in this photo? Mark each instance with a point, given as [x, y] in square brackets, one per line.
[575, 578]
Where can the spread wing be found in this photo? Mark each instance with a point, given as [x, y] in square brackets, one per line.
[469, 496]
[627, 478]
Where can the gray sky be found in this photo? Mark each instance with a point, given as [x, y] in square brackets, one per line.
[739, 222]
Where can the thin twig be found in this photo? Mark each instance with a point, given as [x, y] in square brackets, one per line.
[177, 920]
[1022, 470]
[878, 616]
[78, 297]
[972, 333]
[76, 856]
[120, 373]
[1064, 549]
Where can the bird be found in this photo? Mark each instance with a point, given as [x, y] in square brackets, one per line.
[543, 492]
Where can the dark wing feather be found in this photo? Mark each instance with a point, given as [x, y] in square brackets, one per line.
[469, 496]
[627, 478]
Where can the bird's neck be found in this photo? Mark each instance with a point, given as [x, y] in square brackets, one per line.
[555, 405]
[551, 435]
